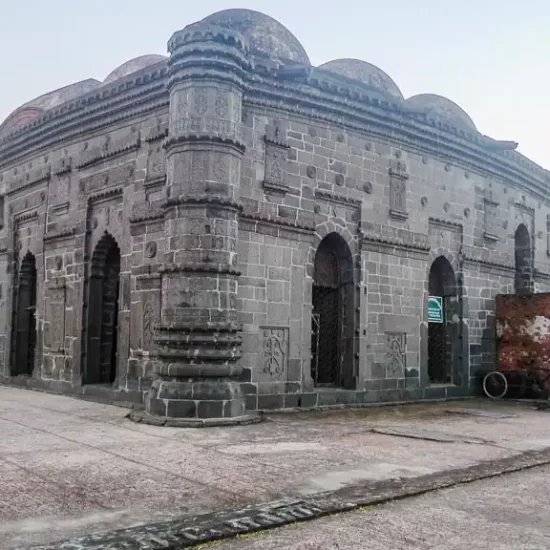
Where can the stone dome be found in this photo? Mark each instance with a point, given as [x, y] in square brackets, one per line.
[440, 107]
[133, 66]
[266, 36]
[35, 108]
[364, 72]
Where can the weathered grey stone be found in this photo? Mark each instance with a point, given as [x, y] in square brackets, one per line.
[183, 253]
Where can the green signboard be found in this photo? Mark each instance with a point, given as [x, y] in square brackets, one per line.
[435, 309]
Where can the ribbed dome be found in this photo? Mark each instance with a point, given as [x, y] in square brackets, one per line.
[266, 36]
[442, 108]
[133, 65]
[364, 72]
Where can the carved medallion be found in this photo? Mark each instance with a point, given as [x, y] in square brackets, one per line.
[151, 250]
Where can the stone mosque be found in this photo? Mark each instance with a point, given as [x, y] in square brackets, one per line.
[231, 230]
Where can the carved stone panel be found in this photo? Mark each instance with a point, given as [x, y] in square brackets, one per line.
[151, 317]
[98, 182]
[274, 351]
[54, 330]
[548, 234]
[63, 189]
[396, 348]
[490, 220]
[398, 190]
[445, 234]
[276, 156]
[275, 168]
[148, 312]
[156, 163]
[107, 147]
[201, 100]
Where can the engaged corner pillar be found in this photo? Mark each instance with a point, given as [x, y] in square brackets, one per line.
[198, 337]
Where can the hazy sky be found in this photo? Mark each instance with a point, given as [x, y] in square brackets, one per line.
[492, 57]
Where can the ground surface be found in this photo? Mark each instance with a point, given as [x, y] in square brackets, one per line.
[507, 513]
[70, 467]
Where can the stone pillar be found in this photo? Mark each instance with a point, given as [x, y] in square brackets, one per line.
[198, 337]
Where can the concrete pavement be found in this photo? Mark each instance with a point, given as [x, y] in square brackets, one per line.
[71, 468]
[506, 513]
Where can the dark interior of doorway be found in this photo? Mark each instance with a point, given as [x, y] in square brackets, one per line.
[326, 334]
[102, 314]
[443, 339]
[25, 319]
[332, 316]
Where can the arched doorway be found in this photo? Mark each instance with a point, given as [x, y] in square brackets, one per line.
[332, 321]
[523, 282]
[102, 313]
[444, 338]
[25, 318]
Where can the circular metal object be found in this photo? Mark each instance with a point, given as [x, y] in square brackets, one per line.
[495, 385]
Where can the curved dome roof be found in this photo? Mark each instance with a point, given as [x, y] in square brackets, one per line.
[133, 65]
[445, 109]
[35, 108]
[267, 37]
[364, 72]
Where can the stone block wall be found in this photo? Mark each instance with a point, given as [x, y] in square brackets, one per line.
[400, 210]
[284, 163]
[57, 207]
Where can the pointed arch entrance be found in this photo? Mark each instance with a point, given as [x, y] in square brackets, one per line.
[102, 314]
[444, 339]
[523, 282]
[332, 317]
[25, 318]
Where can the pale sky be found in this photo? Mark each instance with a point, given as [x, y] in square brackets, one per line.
[492, 57]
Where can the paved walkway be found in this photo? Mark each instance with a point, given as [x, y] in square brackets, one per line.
[507, 513]
[70, 467]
